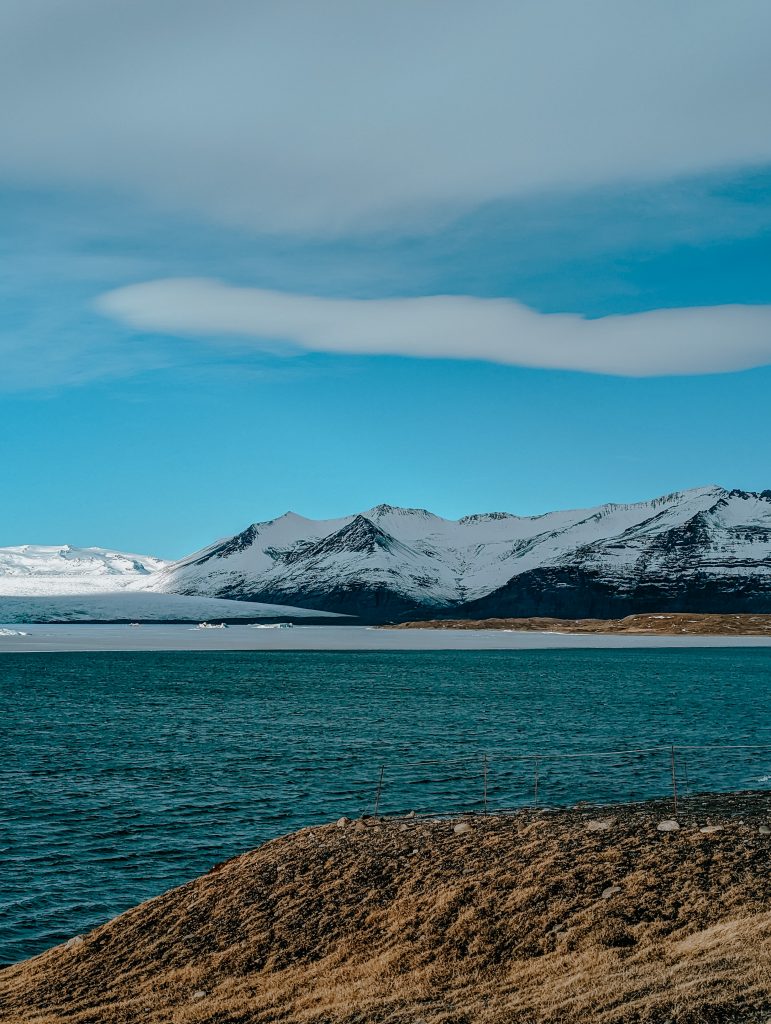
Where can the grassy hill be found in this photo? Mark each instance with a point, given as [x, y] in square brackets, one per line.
[582, 915]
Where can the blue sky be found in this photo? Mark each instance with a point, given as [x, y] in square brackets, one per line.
[131, 427]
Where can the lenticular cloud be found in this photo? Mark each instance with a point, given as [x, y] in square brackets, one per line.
[694, 340]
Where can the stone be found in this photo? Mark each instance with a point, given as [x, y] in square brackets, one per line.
[74, 942]
[600, 824]
[342, 822]
[764, 830]
[200, 994]
[612, 890]
[462, 826]
[670, 825]
[709, 829]
[402, 828]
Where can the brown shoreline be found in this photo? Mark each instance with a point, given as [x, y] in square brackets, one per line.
[649, 624]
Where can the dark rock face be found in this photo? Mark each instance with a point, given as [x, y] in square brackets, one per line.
[577, 593]
[241, 542]
[360, 536]
[557, 593]
[569, 593]
[369, 604]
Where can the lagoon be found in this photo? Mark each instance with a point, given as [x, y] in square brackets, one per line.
[126, 773]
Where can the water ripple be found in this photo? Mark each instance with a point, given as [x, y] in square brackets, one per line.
[126, 774]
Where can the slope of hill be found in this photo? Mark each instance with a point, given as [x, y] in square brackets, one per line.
[585, 915]
[705, 550]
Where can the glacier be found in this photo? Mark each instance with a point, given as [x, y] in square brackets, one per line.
[142, 607]
[62, 569]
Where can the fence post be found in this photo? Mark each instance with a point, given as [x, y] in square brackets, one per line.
[674, 778]
[379, 789]
[484, 783]
[535, 782]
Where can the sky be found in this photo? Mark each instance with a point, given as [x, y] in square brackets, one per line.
[266, 256]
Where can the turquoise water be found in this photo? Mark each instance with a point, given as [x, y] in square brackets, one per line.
[126, 774]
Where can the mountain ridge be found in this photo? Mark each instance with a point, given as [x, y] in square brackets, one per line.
[703, 549]
[707, 549]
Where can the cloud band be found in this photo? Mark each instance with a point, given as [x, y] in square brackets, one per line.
[697, 340]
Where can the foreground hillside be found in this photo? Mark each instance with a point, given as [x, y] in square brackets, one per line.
[572, 916]
[703, 550]
[638, 625]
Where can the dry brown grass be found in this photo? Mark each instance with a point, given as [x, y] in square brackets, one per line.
[664, 624]
[408, 921]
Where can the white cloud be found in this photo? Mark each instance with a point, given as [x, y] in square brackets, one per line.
[665, 341]
[348, 115]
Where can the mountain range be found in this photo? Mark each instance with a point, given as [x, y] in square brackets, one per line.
[701, 550]
[706, 549]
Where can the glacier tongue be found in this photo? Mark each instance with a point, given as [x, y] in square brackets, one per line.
[141, 606]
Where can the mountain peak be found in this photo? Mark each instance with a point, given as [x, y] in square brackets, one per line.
[486, 517]
[360, 535]
[385, 510]
[240, 542]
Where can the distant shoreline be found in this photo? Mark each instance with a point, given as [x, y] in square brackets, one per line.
[105, 637]
[663, 624]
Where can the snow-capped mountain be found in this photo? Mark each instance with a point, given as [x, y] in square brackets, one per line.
[706, 549]
[31, 569]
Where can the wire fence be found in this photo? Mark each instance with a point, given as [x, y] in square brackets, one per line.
[494, 782]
